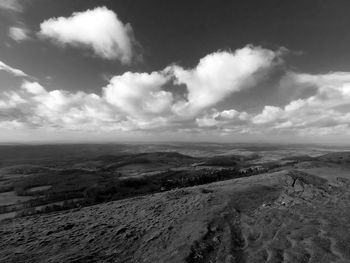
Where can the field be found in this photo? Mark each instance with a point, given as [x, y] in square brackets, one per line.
[147, 205]
[96, 176]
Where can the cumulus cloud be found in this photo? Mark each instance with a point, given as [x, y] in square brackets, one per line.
[319, 113]
[325, 112]
[269, 114]
[139, 94]
[18, 33]
[220, 74]
[11, 5]
[149, 101]
[11, 70]
[117, 109]
[34, 106]
[224, 118]
[133, 101]
[98, 29]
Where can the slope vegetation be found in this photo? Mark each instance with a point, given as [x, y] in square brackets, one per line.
[286, 216]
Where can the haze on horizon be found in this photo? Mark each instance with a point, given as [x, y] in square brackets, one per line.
[228, 71]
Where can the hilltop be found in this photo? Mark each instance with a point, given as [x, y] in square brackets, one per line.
[173, 207]
[287, 216]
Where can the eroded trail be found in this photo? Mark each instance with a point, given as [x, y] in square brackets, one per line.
[281, 217]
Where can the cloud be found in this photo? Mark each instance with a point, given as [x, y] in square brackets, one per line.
[115, 110]
[11, 70]
[324, 113]
[220, 74]
[98, 29]
[11, 5]
[141, 101]
[139, 94]
[34, 106]
[269, 114]
[224, 118]
[151, 102]
[19, 33]
[319, 113]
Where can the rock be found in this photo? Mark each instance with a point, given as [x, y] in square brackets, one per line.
[289, 180]
[298, 186]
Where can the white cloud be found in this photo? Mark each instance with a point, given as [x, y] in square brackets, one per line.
[33, 88]
[98, 29]
[220, 74]
[12, 5]
[269, 114]
[319, 113]
[325, 114]
[11, 70]
[139, 94]
[18, 33]
[140, 101]
[36, 106]
[117, 109]
[224, 118]
[133, 101]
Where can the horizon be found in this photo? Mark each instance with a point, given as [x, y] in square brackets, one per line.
[339, 146]
[234, 71]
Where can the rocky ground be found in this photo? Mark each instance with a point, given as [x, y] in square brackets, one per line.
[286, 216]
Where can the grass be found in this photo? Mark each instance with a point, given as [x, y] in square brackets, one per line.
[111, 177]
[62, 181]
[10, 198]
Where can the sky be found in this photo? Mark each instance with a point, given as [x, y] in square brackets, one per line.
[200, 70]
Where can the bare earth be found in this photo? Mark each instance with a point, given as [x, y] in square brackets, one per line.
[287, 216]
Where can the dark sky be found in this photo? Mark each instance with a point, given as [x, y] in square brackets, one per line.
[184, 31]
[316, 33]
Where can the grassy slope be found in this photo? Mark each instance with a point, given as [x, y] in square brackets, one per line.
[283, 216]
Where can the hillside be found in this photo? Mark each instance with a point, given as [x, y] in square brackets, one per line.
[287, 216]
